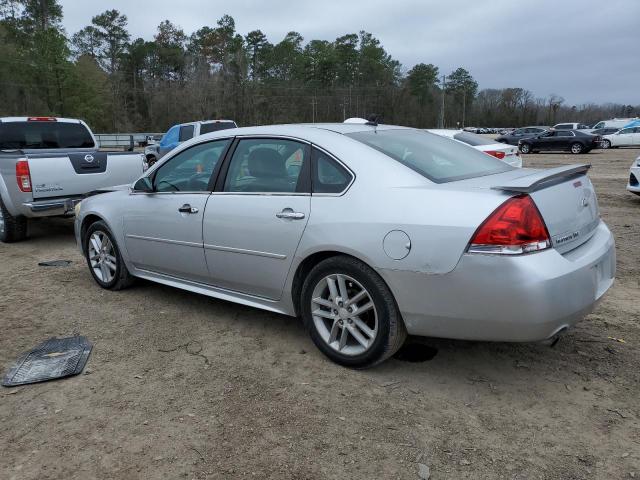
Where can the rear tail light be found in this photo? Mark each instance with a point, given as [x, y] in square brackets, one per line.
[515, 227]
[23, 176]
[495, 153]
[41, 119]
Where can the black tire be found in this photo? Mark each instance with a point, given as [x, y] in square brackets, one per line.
[524, 148]
[391, 330]
[122, 278]
[151, 160]
[12, 229]
[606, 144]
[576, 148]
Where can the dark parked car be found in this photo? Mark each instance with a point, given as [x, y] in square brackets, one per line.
[519, 133]
[574, 141]
[604, 131]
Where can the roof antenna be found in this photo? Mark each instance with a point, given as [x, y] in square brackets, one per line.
[373, 120]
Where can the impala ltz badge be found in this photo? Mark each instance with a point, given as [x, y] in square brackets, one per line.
[88, 158]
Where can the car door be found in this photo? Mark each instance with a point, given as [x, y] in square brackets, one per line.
[562, 140]
[163, 225]
[544, 141]
[255, 218]
[623, 138]
[636, 136]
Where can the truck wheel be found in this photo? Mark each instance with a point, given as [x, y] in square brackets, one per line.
[103, 257]
[12, 229]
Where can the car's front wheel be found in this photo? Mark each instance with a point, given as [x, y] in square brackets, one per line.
[104, 259]
[351, 313]
[576, 148]
[525, 148]
[606, 144]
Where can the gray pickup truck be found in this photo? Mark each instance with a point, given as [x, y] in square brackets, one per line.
[48, 164]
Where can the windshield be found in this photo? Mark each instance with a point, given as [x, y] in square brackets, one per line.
[37, 135]
[437, 158]
[473, 139]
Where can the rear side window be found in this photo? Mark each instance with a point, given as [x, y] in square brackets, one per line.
[564, 134]
[436, 158]
[186, 132]
[38, 135]
[216, 127]
[472, 139]
[328, 175]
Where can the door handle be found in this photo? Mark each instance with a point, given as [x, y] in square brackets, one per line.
[186, 208]
[289, 214]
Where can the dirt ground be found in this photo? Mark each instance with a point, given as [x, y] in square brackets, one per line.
[185, 386]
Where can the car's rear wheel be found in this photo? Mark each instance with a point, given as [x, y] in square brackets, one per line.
[12, 229]
[576, 148]
[351, 313]
[104, 259]
[606, 144]
[525, 148]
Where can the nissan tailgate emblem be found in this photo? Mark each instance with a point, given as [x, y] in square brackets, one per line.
[88, 158]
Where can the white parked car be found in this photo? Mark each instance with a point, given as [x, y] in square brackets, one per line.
[634, 177]
[505, 152]
[627, 137]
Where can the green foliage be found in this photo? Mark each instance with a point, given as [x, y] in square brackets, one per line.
[116, 84]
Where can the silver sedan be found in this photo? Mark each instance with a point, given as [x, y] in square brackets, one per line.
[367, 232]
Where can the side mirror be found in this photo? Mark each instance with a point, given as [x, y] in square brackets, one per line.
[143, 185]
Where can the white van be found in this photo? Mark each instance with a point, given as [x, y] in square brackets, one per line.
[614, 123]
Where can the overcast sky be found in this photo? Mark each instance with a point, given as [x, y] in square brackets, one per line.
[583, 50]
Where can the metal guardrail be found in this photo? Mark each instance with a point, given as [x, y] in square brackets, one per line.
[126, 141]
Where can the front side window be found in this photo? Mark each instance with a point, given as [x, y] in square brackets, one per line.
[186, 132]
[171, 136]
[328, 175]
[266, 165]
[626, 130]
[191, 169]
[436, 158]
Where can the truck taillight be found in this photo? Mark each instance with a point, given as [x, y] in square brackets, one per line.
[495, 153]
[515, 227]
[23, 175]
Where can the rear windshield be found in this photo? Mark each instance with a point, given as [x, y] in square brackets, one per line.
[35, 135]
[437, 158]
[215, 126]
[473, 139]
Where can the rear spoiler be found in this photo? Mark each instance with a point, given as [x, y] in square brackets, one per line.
[536, 181]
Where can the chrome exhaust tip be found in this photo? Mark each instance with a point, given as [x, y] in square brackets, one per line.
[555, 338]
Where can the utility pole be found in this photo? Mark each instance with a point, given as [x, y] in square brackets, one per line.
[313, 109]
[444, 87]
[464, 104]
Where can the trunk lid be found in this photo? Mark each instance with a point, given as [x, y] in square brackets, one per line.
[76, 173]
[566, 200]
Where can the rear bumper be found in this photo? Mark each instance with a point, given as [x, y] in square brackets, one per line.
[50, 208]
[520, 299]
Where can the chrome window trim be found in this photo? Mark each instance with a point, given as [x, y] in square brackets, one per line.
[273, 194]
[206, 192]
[341, 163]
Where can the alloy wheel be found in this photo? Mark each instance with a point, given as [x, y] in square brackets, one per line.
[606, 144]
[2, 226]
[102, 256]
[344, 314]
[524, 148]
[576, 148]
